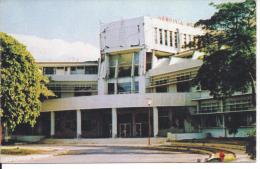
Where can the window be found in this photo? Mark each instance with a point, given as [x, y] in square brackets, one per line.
[166, 37]
[160, 32]
[112, 66]
[238, 103]
[124, 87]
[111, 88]
[209, 106]
[190, 40]
[125, 65]
[183, 86]
[91, 69]
[171, 40]
[148, 60]
[161, 89]
[82, 91]
[184, 41]
[210, 121]
[176, 39]
[49, 70]
[155, 36]
[136, 89]
[163, 120]
[60, 67]
[136, 64]
[241, 118]
[77, 70]
[56, 91]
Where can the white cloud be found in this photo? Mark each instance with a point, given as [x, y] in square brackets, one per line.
[57, 49]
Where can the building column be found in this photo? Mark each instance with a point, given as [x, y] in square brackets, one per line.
[114, 123]
[224, 125]
[52, 124]
[170, 118]
[78, 123]
[155, 121]
[134, 124]
[154, 59]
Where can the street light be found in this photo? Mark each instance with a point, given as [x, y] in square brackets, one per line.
[149, 102]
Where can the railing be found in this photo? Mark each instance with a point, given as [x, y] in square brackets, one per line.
[174, 77]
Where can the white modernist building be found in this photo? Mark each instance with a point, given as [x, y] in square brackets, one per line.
[143, 76]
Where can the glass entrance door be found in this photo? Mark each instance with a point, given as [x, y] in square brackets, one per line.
[125, 129]
[138, 129]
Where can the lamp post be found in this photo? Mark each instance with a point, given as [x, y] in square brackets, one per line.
[149, 102]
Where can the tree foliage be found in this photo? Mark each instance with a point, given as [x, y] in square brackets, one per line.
[23, 87]
[229, 44]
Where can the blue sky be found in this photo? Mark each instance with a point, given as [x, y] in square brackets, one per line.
[78, 21]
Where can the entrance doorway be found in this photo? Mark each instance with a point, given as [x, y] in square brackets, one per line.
[125, 130]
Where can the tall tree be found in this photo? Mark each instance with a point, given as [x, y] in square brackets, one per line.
[23, 87]
[229, 44]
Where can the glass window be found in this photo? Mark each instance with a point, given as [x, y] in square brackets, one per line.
[209, 106]
[77, 70]
[125, 65]
[112, 65]
[160, 32]
[82, 91]
[111, 88]
[176, 38]
[124, 87]
[209, 121]
[91, 69]
[148, 60]
[184, 41]
[183, 86]
[56, 91]
[112, 72]
[161, 89]
[190, 40]
[136, 89]
[48, 70]
[136, 64]
[166, 37]
[171, 40]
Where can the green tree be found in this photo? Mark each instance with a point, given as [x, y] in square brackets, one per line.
[229, 44]
[23, 87]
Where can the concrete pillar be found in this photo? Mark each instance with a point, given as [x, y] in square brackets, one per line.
[134, 125]
[52, 124]
[155, 121]
[78, 124]
[114, 123]
[224, 125]
[102, 75]
[170, 118]
[221, 106]
[154, 59]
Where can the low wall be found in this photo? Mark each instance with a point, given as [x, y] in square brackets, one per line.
[184, 136]
[220, 132]
[29, 139]
[214, 132]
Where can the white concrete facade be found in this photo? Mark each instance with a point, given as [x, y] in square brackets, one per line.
[140, 58]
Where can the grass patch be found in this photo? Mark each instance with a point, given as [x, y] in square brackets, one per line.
[22, 151]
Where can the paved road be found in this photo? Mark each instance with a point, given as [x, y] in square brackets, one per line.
[117, 154]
